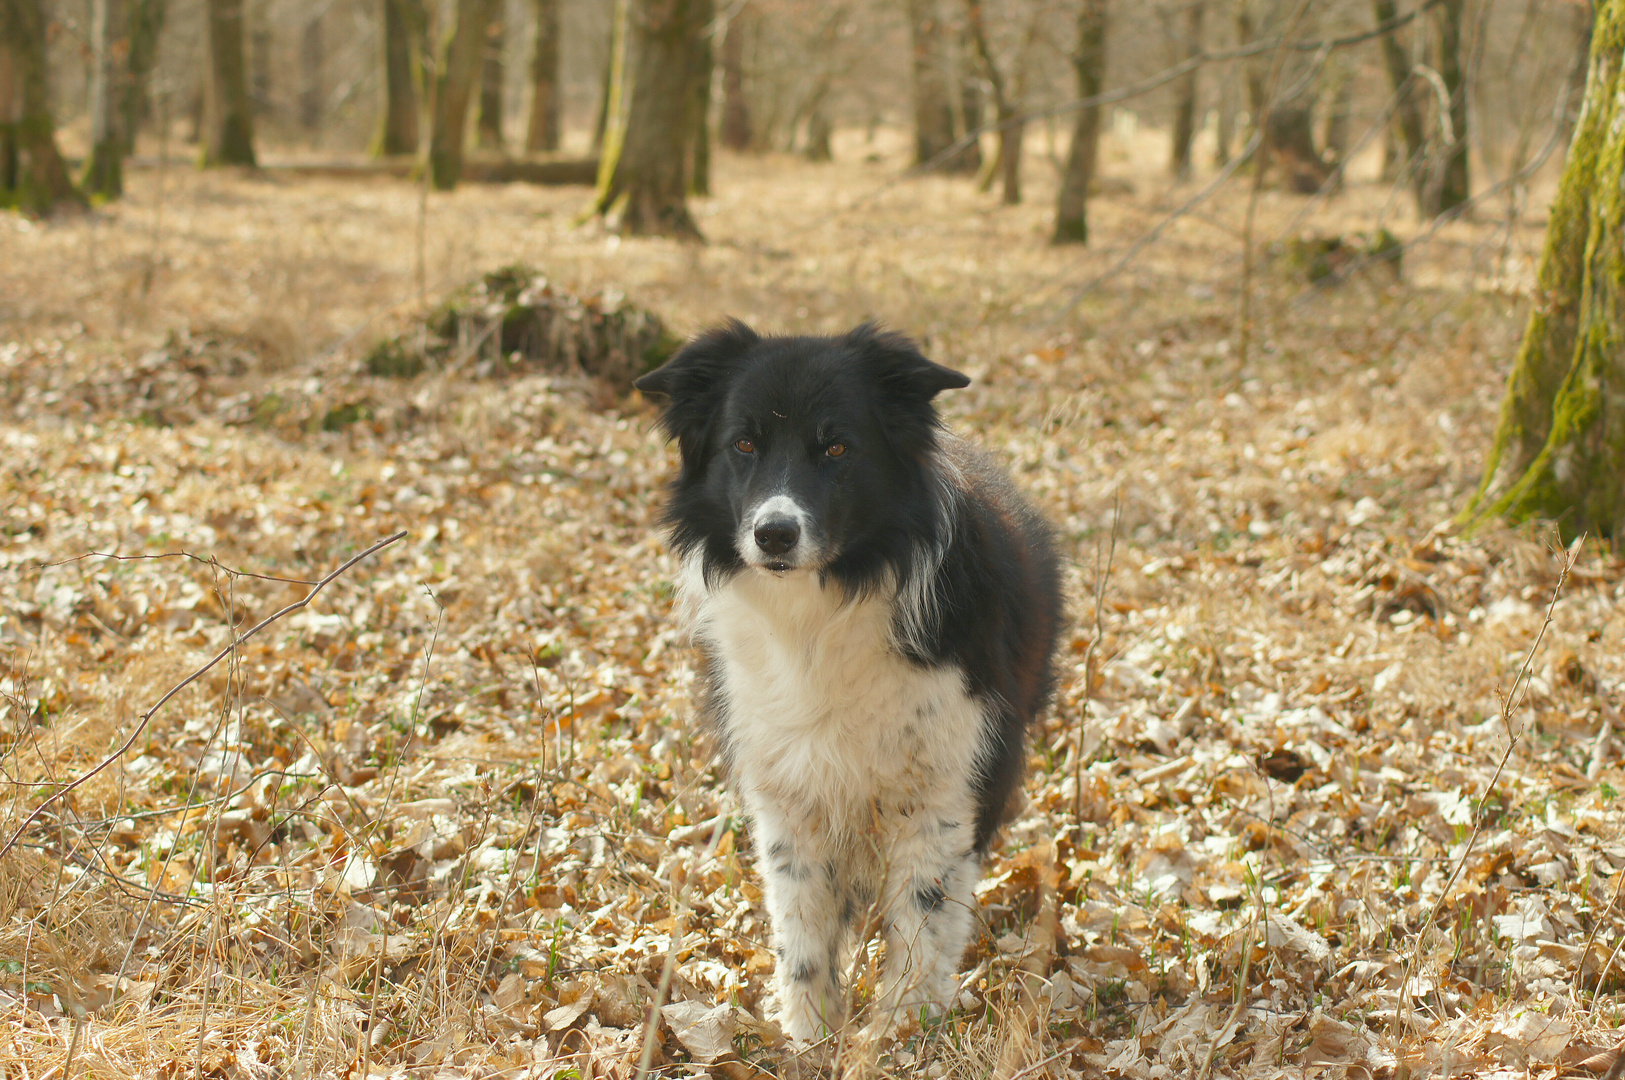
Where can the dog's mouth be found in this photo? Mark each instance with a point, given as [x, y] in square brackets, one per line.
[778, 566]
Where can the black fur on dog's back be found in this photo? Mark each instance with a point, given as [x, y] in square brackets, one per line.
[998, 615]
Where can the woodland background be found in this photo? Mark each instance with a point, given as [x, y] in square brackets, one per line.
[1331, 784]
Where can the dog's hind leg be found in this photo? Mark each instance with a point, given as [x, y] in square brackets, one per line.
[807, 925]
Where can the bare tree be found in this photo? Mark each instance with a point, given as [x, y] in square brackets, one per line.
[542, 132]
[1008, 98]
[457, 70]
[643, 174]
[228, 118]
[103, 174]
[404, 25]
[933, 111]
[1282, 94]
[1190, 42]
[1448, 187]
[144, 25]
[702, 64]
[1089, 64]
[606, 81]
[488, 126]
[32, 172]
[736, 130]
[1402, 83]
[312, 70]
[1559, 451]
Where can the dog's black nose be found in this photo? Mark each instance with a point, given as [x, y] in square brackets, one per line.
[777, 535]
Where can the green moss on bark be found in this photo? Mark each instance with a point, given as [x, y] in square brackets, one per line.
[1559, 450]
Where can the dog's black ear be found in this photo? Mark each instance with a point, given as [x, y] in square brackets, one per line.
[690, 380]
[904, 370]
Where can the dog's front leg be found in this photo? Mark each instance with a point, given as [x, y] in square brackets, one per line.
[930, 913]
[806, 924]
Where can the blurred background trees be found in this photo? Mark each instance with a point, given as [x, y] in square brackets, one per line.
[1457, 96]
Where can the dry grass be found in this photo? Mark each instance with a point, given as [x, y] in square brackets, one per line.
[453, 820]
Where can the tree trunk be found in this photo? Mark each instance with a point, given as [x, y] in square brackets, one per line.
[11, 100]
[259, 63]
[542, 133]
[1012, 128]
[404, 25]
[1225, 127]
[228, 119]
[1339, 118]
[643, 171]
[33, 175]
[109, 38]
[819, 131]
[606, 82]
[1449, 188]
[488, 128]
[933, 112]
[1559, 450]
[969, 119]
[1252, 70]
[312, 61]
[703, 64]
[1179, 158]
[146, 24]
[457, 69]
[1407, 107]
[736, 128]
[1289, 144]
[1089, 63]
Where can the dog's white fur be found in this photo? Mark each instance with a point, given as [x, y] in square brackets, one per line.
[855, 766]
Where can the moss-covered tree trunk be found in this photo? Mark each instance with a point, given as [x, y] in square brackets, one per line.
[458, 68]
[488, 125]
[643, 174]
[103, 174]
[1559, 450]
[1089, 65]
[33, 175]
[542, 132]
[1190, 41]
[397, 132]
[228, 116]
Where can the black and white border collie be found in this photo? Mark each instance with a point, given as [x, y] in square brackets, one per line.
[877, 610]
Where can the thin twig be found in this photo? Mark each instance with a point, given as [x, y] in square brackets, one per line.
[211, 561]
[1511, 702]
[230, 648]
[1101, 580]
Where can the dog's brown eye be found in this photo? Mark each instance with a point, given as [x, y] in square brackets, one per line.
[745, 446]
[835, 449]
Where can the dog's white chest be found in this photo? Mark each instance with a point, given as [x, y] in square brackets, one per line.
[821, 711]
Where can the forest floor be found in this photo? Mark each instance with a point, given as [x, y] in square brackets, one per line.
[1293, 813]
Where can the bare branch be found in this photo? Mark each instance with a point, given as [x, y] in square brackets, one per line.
[230, 648]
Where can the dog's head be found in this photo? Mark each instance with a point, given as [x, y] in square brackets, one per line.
[801, 453]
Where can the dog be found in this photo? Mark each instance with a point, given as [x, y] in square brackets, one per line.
[876, 609]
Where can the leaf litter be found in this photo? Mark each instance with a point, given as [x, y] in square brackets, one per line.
[453, 818]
